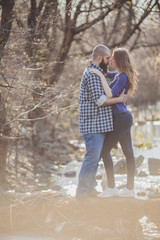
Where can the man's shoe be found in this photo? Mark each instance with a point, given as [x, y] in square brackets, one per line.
[109, 192]
[93, 194]
[81, 195]
[125, 192]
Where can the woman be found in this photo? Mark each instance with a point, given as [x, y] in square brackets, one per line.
[124, 78]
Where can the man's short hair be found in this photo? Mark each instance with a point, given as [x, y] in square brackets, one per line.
[100, 50]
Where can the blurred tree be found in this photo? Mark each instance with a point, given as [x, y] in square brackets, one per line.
[5, 30]
[124, 20]
[6, 23]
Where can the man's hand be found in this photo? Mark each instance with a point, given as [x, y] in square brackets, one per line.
[123, 97]
[89, 62]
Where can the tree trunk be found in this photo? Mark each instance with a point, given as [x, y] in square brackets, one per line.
[6, 23]
[4, 131]
[63, 52]
[58, 67]
[30, 43]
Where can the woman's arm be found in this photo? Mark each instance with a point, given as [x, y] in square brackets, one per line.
[106, 87]
[121, 99]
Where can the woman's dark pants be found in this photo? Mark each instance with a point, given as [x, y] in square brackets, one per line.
[121, 134]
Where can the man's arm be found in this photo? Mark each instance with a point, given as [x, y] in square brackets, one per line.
[110, 101]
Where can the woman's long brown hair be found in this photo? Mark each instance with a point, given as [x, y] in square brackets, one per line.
[125, 65]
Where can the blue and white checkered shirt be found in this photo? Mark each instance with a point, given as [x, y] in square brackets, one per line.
[93, 118]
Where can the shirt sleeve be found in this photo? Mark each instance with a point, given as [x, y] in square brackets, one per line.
[101, 100]
[95, 89]
[120, 84]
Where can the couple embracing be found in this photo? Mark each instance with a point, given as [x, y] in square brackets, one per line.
[105, 120]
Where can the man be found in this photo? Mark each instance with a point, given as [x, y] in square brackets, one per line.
[95, 119]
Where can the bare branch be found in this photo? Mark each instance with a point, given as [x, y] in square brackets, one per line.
[102, 15]
[77, 12]
[39, 8]
[131, 31]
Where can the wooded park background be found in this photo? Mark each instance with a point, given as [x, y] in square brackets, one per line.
[44, 45]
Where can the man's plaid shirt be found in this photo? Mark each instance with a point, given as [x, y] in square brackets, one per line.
[93, 118]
